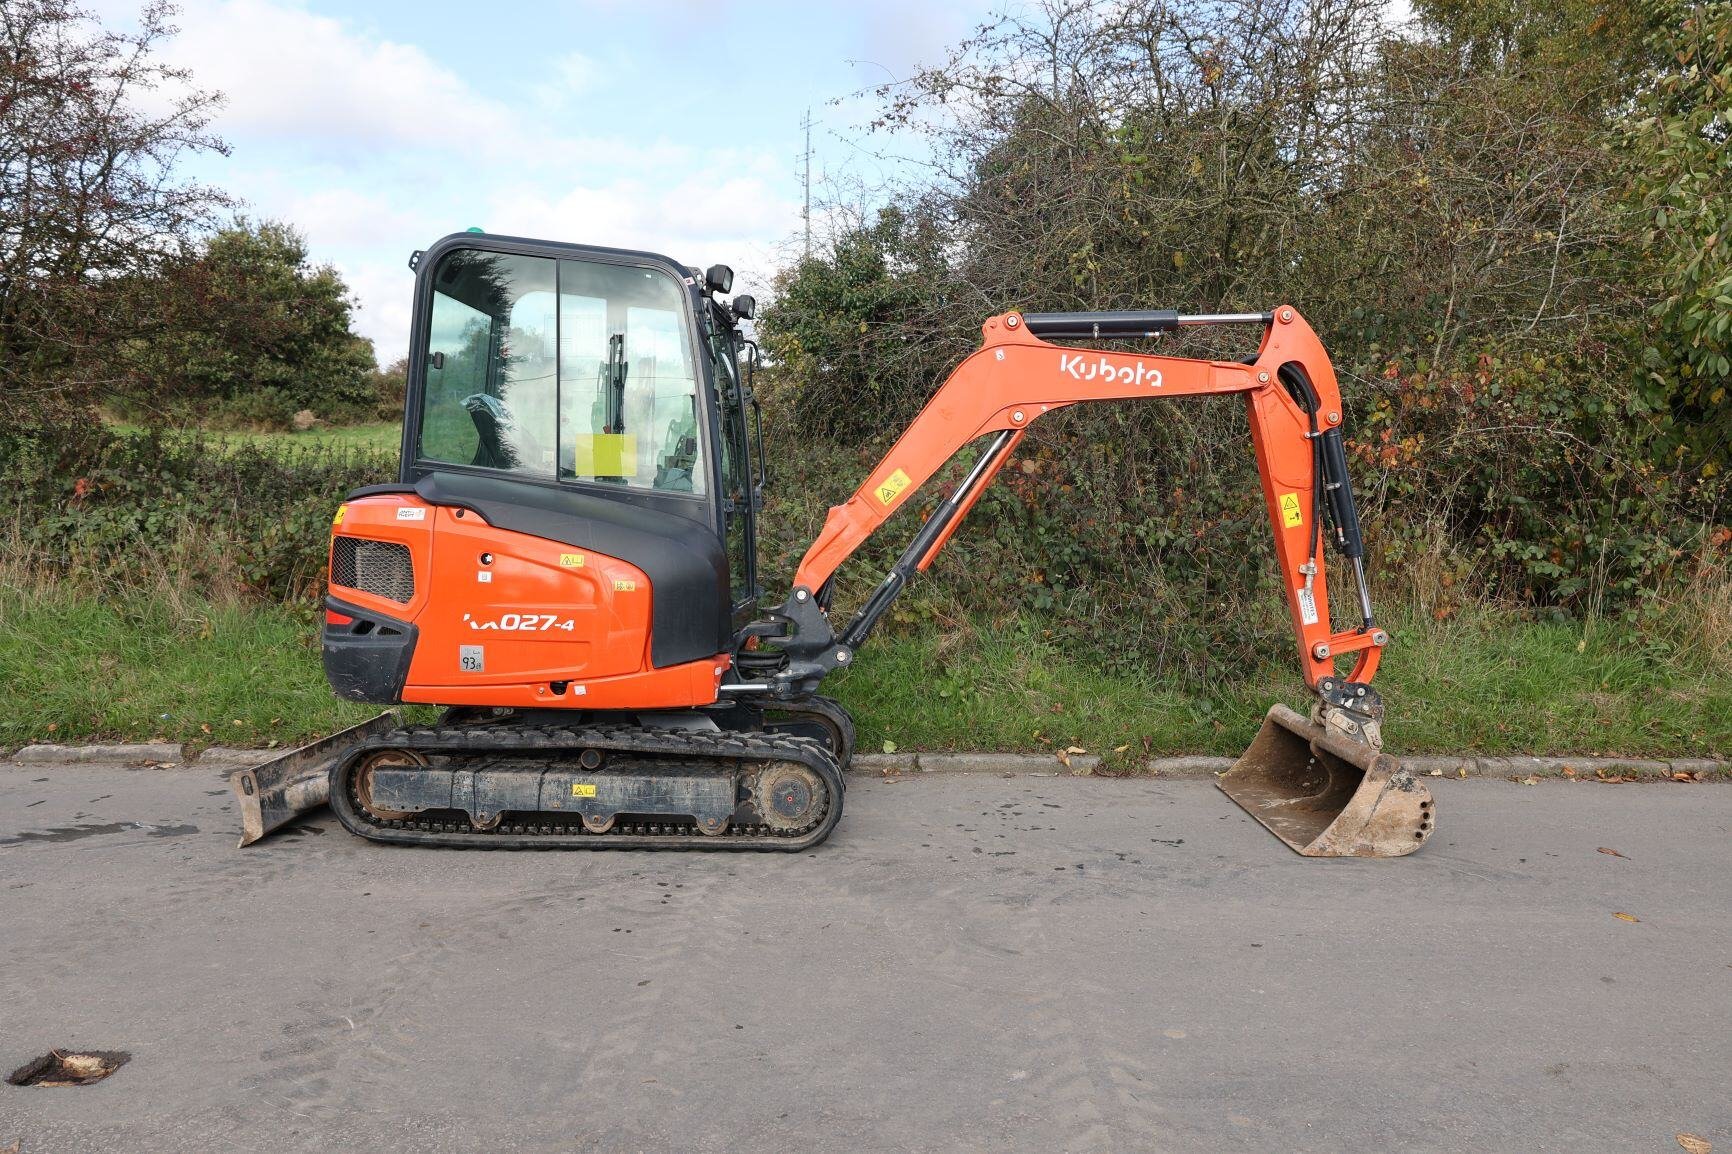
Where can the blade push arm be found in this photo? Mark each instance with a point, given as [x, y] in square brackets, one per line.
[1016, 377]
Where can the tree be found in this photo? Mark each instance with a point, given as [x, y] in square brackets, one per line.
[1680, 141]
[89, 194]
[1442, 201]
[245, 327]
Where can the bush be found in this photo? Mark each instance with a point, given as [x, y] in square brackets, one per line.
[253, 517]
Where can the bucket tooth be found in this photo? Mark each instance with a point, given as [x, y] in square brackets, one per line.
[1326, 795]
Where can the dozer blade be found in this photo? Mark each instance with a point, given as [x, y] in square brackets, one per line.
[275, 792]
[1327, 795]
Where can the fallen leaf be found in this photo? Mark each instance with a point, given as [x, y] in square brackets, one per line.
[1064, 757]
[1694, 1143]
[1461, 771]
[889, 746]
[1120, 748]
[204, 728]
[238, 722]
[1623, 917]
[1530, 779]
[1437, 773]
[1567, 771]
[1076, 749]
[1610, 850]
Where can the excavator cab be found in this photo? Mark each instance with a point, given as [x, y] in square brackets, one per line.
[576, 478]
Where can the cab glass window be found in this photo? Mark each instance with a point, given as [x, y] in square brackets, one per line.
[561, 368]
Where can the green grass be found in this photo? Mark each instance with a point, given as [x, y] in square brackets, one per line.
[375, 436]
[1488, 682]
[136, 665]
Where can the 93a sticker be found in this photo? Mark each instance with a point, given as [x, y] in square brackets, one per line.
[472, 658]
[523, 622]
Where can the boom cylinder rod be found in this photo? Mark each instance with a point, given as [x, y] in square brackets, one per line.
[1226, 318]
[907, 564]
[1130, 324]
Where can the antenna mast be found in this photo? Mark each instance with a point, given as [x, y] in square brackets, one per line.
[806, 180]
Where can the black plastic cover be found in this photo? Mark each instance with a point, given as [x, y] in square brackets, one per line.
[367, 659]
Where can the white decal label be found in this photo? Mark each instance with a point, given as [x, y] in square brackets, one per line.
[1307, 606]
[524, 622]
[484, 577]
[411, 514]
[1078, 367]
[473, 658]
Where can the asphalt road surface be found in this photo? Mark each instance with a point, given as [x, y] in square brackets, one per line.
[971, 963]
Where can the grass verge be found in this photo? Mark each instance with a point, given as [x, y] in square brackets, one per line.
[81, 665]
[383, 435]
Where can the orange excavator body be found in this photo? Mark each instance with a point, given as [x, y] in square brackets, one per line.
[568, 562]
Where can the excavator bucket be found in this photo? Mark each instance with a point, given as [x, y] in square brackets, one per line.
[275, 792]
[1327, 795]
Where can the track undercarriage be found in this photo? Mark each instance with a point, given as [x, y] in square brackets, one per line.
[729, 779]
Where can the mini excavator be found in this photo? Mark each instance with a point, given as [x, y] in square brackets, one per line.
[567, 564]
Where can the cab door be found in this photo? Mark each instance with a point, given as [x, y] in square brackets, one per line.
[739, 493]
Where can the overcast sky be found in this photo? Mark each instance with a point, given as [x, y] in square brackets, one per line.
[378, 126]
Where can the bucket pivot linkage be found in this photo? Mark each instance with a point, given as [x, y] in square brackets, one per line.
[1324, 785]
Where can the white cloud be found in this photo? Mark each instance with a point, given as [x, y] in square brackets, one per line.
[295, 75]
[330, 123]
[573, 75]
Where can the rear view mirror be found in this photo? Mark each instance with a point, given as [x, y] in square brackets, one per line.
[745, 306]
[719, 278]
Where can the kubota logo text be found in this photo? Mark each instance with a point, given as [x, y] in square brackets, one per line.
[1079, 368]
[523, 621]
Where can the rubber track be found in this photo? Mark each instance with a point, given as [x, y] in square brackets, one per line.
[827, 708]
[492, 741]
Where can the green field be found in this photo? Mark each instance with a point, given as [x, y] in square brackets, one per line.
[136, 665]
[380, 436]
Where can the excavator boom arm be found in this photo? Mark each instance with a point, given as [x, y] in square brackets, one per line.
[1016, 377]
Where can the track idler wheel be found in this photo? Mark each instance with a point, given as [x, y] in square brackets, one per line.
[789, 796]
[1327, 795]
[364, 780]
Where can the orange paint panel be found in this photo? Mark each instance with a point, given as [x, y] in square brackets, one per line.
[534, 617]
[676, 686]
[502, 615]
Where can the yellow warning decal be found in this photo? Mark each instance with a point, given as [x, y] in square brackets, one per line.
[625, 586]
[1290, 514]
[892, 487]
[338, 519]
[571, 560]
[582, 789]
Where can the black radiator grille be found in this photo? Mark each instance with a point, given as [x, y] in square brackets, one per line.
[381, 568]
